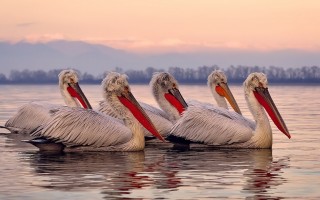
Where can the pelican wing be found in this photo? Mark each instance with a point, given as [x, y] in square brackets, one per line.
[159, 118]
[230, 114]
[30, 116]
[213, 126]
[156, 111]
[162, 125]
[105, 108]
[76, 126]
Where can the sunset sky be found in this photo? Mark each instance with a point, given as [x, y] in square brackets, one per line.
[167, 25]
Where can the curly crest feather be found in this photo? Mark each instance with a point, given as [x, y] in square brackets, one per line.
[115, 82]
[68, 76]
[217, 77]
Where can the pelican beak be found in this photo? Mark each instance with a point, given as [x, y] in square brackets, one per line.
[264, 98]
[76, 92]
[128, 100]
[223, 90]
[175, 98]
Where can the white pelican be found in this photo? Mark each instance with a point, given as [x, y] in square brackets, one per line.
[217, 83]
[166, 92]
[222, 129]
[31, 115]
[86, 130]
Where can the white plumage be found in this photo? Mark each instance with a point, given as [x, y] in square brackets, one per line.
[87, 130]
[32, 115]
[223, 128]
[74, 127]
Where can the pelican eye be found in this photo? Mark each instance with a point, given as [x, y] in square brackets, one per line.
[126, 88]
[260, 88]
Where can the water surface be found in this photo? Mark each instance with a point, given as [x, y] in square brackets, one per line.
[291, 170]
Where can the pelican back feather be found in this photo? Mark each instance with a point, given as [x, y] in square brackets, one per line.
[79, 127]
[211, 125]
[29, 117]
[159, 118]
[107, 109]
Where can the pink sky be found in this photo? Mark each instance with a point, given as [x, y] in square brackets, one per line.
[166, 25]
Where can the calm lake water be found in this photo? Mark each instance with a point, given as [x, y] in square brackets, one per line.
[291, 170]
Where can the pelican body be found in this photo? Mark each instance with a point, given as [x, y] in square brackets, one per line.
[75, 129]
[32, 115]
[227, 129]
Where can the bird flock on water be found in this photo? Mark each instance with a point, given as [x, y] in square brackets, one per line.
[122, 123]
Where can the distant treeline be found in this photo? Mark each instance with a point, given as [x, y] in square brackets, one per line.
[183, 75]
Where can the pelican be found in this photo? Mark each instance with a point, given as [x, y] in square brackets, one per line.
[222, 129]
[76, 129]
[217, 83]
[33, 114]
[166, 92]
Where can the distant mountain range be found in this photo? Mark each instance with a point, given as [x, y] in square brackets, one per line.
[96, 59]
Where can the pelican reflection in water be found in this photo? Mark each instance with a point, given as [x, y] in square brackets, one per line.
[126, 174]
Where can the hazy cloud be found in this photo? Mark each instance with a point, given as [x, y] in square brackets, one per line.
[25, 24]
[34, 38]
[169, 45]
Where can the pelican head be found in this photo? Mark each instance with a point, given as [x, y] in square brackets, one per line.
[166, 92]
[70, 89]
[256, 85]
[117, 92]
[217, 82]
